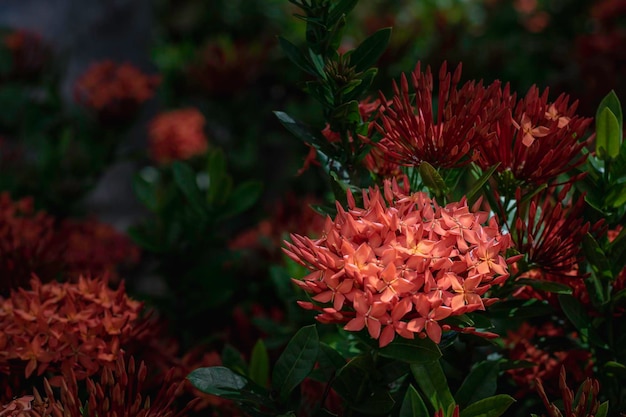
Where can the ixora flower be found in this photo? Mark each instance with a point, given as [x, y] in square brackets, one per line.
[114, 91]
[119, 392]
[177, 135]
[413, 133]
[538, 140]
[401, 264]
[66, 327]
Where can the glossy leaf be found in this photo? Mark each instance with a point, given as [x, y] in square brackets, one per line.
[489, 407]
[368, 52]
[259, 364]
[412, 350]
[185, 179]
[413, 405]
[432, 382]
[474, 192]
[296, 361]
[432, 179]
[480, 383]
[577, 314]
[608, 134]
[341, 8]
[295, 55]
[611, 101]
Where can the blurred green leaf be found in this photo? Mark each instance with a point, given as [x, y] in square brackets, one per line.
[258, 369]
[547, 286]
[146, 192]
[368, 52]
[185, 179]
[243, 197]
[339, 9]
[296, 361]
[489, 407]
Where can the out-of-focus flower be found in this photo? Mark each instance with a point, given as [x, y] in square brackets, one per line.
[401, 264]
[114, 92]
[28, 51]
[523, 344]
[177, 135]
[94, 248]
[66, 327]
[538, 141]
[412, 133]
[119, 392]
[584, 404]
[224, 67]
[26, 244]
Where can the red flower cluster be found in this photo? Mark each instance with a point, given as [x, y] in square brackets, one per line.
[66, 327]
[114, 91]
[400, 264]
[537, 140]
[584, 404]
[177, 135]
[119, 392]
[29, 53]
[19, 407]
[412, 133]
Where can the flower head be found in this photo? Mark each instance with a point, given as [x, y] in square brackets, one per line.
[114, 91]
[413, 133]
[538, 141]
[177, 135]
[395, 264]
[28, 51]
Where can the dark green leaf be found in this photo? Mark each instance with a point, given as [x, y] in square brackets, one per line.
[412, 350]
[353, 378]
[603, 410]
[259, 364]
[233, 359]
[481, 382]
[185, 179]
[296, 361]
[359, 91]
[413, 405]
[474, 192]
[243, 197]
[368, 52]
[432, 382]
[329, 361]
[577, 314]
[301, 131]
[318, 64]
[600, 288]
[347, 114]
[341, 8]
[489, 407]
[146, 192]
[432, 179]
[142, 238]
[295, 55]
[547, 286]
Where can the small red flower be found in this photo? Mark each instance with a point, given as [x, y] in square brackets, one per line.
[177, 135]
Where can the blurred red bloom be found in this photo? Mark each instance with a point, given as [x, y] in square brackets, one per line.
[177, 135]
[29, 53]
[401, 264]
[114, 92]
[412, 133]
[79, 327]
[538, 141]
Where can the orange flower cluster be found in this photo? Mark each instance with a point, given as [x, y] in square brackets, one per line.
[119, 392]
[177, 135]
[114, 91]
[401, 264]
[19, 407]
[65, 327]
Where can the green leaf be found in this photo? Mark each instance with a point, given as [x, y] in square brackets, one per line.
[243, 197]
[473, 193]
[329, 361]
[368, 52]
[603, 410]
[432, 179]
[146, 192]
[141, 237]
[341, 8]
[577, 314]
[480, 383]
[301, 131]
[259, 364]
[347, 114]
[221, 381]
[547, 286]
[360, 90]
[295, 55]
[412, 350]
[413, 405]
[489, 407]
[601, 277]
[318, 64]
[185, 179]
[296, 361]
[608, 134]
[611, 101]
[432, 381]
[220, 183]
